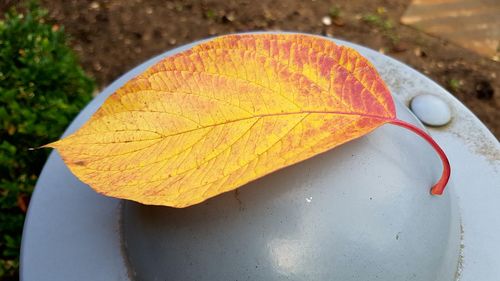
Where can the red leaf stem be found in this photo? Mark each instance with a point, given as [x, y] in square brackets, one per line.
[438, 188]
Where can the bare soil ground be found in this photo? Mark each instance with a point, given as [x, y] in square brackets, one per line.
[113, 36]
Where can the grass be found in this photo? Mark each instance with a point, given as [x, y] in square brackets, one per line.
[384, 24]
[334, 12]
[454, 85]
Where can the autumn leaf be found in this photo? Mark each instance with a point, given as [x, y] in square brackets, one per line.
[226, 112]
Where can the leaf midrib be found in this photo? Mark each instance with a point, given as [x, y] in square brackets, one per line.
[363, 115]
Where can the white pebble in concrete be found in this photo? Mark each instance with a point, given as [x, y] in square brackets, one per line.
[431, 110]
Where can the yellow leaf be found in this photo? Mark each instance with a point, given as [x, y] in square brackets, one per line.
[224, 113]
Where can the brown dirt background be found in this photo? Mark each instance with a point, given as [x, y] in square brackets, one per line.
[111, 37]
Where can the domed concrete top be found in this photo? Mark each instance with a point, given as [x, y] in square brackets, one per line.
[361, 211]
[312, 221]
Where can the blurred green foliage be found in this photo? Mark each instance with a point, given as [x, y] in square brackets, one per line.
[42, 87]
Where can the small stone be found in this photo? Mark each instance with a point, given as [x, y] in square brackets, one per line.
[326, 20]
[94, 5]
[431, 110]
[419, 52]
[229, 17]
[97, 66]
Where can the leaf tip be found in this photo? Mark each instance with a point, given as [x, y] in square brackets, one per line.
[54, 144]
